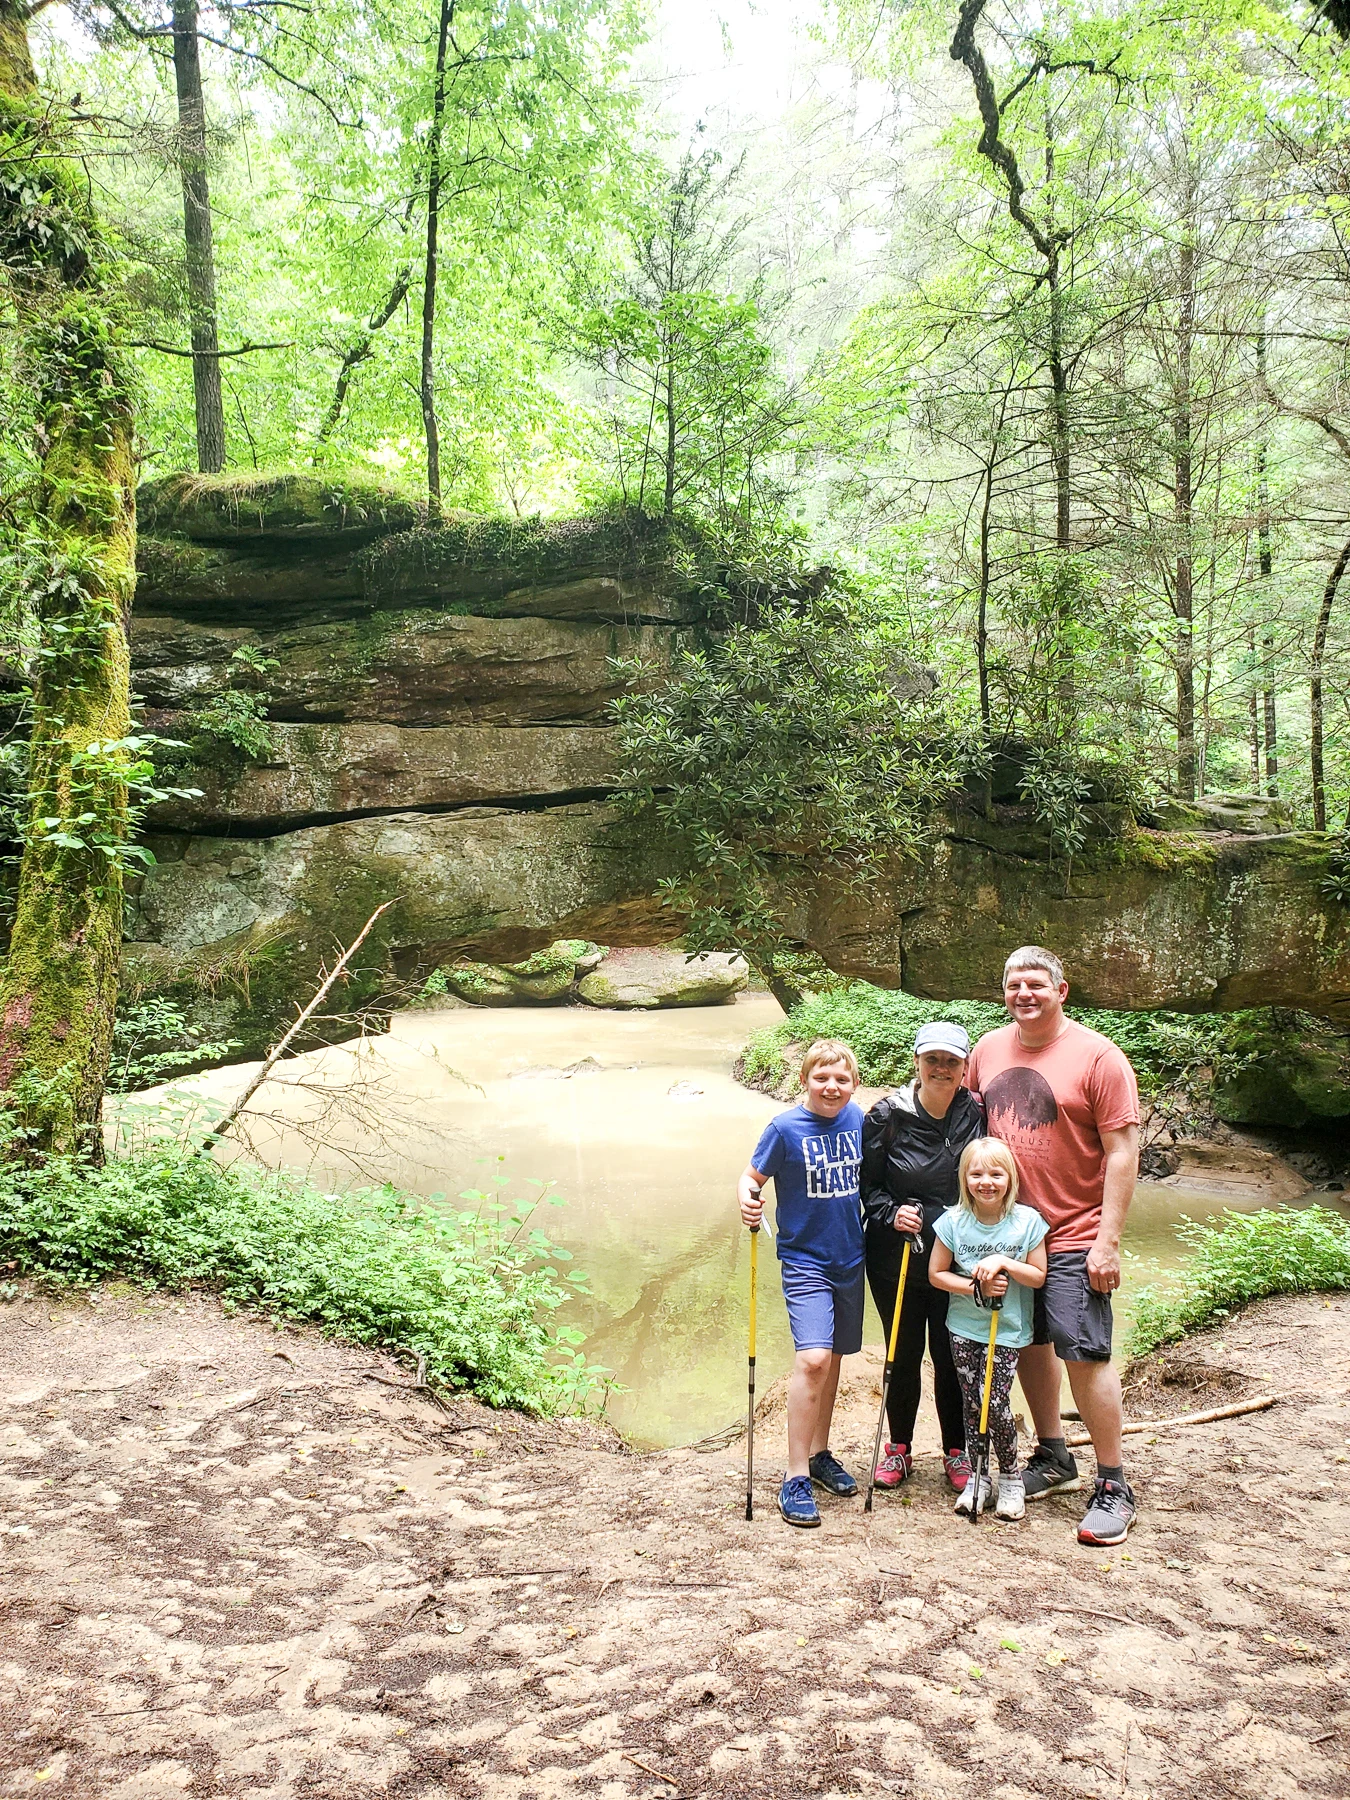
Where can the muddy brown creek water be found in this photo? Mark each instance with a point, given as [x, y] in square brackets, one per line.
[636, 1123]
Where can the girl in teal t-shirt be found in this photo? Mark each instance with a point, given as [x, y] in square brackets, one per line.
[987, 1242]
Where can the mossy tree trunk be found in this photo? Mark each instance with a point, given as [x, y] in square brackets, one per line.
[59, 986]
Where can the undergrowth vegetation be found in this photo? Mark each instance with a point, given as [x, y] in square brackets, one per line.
[471, 1288]
[880, 1024]
[1282, 1250]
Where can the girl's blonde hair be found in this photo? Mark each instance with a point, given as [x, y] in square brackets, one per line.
[828, 1050]
[989, 1150]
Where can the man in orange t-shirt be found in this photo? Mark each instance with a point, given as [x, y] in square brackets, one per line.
[1065, 1100]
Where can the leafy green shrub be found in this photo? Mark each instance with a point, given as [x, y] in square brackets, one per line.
[1058, 791]
[805, 748]
[1282, 1250]
[153, 1041]
[236, 719]
[1164, 1046]
[880, 1024]
[1336, 883]
[471, 1291]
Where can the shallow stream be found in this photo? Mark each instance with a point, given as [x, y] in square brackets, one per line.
[638, 1125]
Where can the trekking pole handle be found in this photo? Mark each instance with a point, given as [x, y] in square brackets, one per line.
[993, 1304]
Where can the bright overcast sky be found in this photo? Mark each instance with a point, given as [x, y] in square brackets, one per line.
[735, 55]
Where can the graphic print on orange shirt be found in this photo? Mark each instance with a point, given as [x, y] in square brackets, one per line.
[1050, 1106]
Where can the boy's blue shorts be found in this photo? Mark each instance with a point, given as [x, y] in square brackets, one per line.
[825, 1309]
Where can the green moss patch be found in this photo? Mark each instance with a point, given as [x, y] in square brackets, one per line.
[471, 551]
[258, 504]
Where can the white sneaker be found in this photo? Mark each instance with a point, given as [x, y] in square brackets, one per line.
[965, 1500]
[1012, 1498]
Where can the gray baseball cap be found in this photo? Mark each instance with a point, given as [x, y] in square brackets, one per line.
[941, 1035]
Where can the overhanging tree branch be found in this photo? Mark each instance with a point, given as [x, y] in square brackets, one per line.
[173, 350]
[362, 348]
[991, 146]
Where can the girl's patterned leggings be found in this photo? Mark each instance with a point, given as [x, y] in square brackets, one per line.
[969, 1359]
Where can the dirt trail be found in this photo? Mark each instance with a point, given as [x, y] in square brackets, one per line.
[235, 1563]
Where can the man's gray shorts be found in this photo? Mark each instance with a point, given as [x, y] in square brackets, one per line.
[1069, 1313]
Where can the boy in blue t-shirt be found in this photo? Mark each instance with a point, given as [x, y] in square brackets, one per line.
[813, 1152]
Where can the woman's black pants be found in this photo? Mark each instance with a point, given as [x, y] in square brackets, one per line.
[922, 1318]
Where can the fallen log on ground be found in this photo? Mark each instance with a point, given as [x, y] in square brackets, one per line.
[1195, 1418]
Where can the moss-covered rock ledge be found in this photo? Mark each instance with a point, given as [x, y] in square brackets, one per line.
[1193, 921]
[277, 549]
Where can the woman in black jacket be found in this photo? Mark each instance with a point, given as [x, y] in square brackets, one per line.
[912, 1143]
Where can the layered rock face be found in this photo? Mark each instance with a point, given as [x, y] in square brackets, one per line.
[1194, 921]
[436, 707]
[436, 735]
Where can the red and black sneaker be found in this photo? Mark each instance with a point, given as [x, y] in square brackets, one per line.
[956, 1467]
[896, 1465]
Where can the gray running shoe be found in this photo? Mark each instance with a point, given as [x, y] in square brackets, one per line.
[1111, 1514]
[1046, 1474]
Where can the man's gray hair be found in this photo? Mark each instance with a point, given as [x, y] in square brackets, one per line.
[1031, 956]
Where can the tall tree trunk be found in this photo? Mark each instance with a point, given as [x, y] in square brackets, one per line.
[1206, 694]
[1059, 374]
[982, 617]
[1253, 712]
[201, 264]
[59, 986]
[672, 436]
[671, 440]
[1265, 565]
[1269, 720]
[434, 176]
[1059, 390]
[1183, 601]
[1319, 792]
[982, 610]
[1059, 412]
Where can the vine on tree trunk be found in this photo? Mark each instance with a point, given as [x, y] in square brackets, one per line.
[59, 986]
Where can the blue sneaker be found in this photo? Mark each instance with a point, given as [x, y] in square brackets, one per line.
[828, 1472]
[796, 1502]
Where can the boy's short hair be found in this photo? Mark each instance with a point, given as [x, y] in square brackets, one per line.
[1031, 956]
[828, 1050]
[989, 1150]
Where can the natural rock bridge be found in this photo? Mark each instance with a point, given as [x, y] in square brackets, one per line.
[438, 704]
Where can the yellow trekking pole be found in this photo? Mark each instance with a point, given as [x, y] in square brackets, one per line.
[980, 1461]
[750, 1413]
[886, 1372]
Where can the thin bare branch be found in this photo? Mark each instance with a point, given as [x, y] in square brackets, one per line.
[271, 1059]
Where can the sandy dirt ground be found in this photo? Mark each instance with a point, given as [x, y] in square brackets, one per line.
[239, 1561]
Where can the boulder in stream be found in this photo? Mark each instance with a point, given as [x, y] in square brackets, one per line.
[641, 980]
[539, 979]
